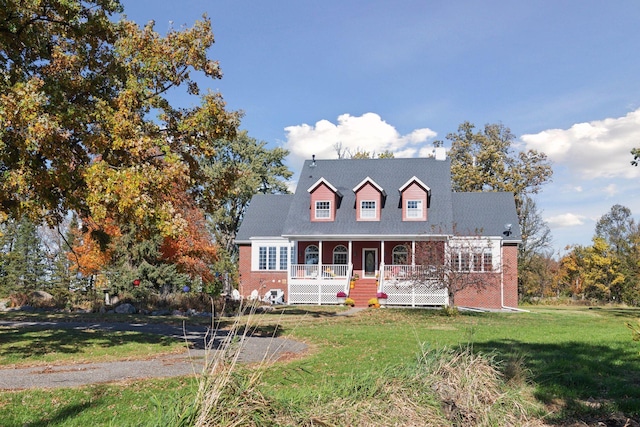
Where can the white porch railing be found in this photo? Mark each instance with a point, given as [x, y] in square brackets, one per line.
[312, 271]
[317, 284]
[412, 285]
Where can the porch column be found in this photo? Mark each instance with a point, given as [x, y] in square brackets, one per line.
[413, 253]
[381, 256]
[350, 254]
[320, 270]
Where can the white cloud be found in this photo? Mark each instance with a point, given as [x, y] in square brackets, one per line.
[611, 190]
[367, 132]
[595, 149]
[565, 220]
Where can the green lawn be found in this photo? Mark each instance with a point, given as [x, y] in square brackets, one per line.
[581, 362]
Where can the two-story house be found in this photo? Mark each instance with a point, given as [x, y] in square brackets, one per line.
[395, 224]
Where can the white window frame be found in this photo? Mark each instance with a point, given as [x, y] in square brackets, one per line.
[368, 212]
[400, 251]
[308, 251]
[416, 212]
[322, 212]
[271, 255]
[480, 256]
[340, 251]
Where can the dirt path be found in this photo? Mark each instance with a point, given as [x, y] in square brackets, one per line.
[255, 349]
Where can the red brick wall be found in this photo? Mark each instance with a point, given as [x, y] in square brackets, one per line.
[261, 281]
[489, 294]
[510, 271]
[485, 295]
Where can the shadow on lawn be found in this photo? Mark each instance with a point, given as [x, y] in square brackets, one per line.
[21, 343]
[580, 380]
[65, 413]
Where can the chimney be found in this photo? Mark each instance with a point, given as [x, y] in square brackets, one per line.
[441, 153]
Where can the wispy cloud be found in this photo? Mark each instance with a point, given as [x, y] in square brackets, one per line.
[565, 220]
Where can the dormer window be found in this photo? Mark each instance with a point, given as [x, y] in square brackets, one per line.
[368, 209]
[325, 200]
[323, 209]
[414, 196]
[370, 199]
[414, 208]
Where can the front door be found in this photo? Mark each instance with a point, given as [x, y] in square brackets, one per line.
[370, 257]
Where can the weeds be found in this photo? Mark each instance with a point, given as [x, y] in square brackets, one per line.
[228, 393]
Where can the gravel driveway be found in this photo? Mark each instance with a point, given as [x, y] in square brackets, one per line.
[255, 349]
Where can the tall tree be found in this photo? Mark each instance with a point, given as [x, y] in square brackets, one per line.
[535, 249]
[85, 121]
[636, 156]
[616, 227]
[23, 266]
[485, 161]
[240, 168]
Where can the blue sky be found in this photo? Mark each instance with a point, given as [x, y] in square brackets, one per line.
[392, 74]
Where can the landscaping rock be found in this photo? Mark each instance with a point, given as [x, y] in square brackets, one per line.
[41, 296]
[125, 308]
[162, 312]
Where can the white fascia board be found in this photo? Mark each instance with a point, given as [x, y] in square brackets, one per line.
[370, 181]
[322, 181]
[416, 180]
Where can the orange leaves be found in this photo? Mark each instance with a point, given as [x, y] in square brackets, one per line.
[193, 251]
[94, 250]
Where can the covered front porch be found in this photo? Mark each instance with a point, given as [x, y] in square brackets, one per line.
[362, 269]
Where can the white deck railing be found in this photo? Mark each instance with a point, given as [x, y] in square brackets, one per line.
[413, 285]
[312, 271]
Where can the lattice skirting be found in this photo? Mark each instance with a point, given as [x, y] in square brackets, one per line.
[321, 292]
[416, 296]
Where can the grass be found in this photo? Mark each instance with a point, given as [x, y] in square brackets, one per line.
[384, 367]
[30, 346]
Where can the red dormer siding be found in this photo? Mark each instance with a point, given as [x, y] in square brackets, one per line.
[322, 193]
[414, 192]
[368, 193]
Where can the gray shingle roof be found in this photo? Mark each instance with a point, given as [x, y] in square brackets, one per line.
[486, 214]
[448, 213]
[264, 216]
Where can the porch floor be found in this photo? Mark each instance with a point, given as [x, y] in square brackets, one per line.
[364, 290]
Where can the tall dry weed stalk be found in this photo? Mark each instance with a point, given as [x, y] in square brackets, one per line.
[228, 393]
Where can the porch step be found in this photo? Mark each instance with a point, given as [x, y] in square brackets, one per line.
[364, 290]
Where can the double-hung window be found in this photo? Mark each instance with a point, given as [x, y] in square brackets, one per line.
[414, 208]
[273, 257]
[368, 209]
[284, 251]
[323, 209]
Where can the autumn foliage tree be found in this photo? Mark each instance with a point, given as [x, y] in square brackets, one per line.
[85, 121]
[608, 270]
[193, 251]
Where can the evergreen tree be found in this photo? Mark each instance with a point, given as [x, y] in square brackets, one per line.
[24, 268]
